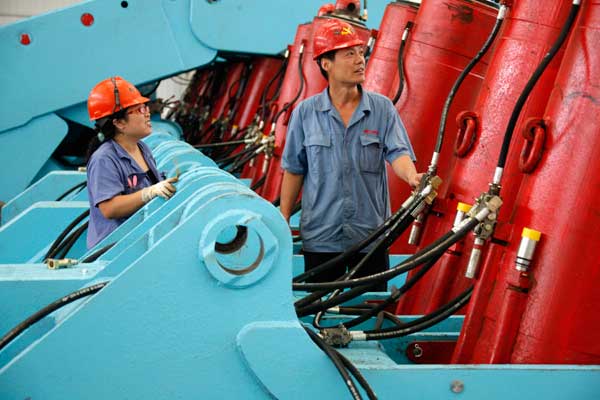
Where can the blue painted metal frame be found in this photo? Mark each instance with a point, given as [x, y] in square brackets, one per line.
[168, 325]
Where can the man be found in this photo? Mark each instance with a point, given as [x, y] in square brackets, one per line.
[336, 146]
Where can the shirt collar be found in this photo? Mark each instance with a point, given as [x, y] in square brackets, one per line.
[119, 150]
[323, 102]
[122, 154]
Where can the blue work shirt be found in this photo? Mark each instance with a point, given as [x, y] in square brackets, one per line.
[111, 171]
[345, 195]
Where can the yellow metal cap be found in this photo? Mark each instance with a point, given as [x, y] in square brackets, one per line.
[531, 234]
[464, 207]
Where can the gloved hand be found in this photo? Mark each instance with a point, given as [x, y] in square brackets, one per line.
[164, 189]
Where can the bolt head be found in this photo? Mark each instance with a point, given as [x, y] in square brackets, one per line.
[457, 386]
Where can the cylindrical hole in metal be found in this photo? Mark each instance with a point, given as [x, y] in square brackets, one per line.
[239, 249]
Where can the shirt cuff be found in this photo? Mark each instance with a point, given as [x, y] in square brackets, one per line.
[391, 157]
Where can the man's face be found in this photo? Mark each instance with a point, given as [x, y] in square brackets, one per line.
[347, 66]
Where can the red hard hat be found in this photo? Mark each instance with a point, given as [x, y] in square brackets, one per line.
[111, 95]
[334, 34]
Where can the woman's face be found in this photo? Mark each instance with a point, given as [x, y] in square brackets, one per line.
[137, 123]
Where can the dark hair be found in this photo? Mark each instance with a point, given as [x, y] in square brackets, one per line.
[330, 55]
[106, 127]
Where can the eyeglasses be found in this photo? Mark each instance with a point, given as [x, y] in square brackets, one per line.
[142, 109]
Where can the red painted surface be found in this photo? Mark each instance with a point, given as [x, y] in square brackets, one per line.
[517, 54]
[87, 19]
[263, 69]
[561, 321]
[444, 39]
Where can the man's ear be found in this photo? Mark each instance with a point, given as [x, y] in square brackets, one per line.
[325, 64]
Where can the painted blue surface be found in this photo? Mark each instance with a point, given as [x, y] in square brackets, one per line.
[24, 150]
[174, 323]
[27, 237]
[66, 59]
[49, 188]
[259, 26]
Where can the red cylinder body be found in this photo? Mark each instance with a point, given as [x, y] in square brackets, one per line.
[383, 62]
[517, 55]
[561, 321]
[314, 83]
[221, 103]
[445, 37]
[263, 70]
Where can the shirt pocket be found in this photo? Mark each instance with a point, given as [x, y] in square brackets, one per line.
[319, 153]
[371, 154]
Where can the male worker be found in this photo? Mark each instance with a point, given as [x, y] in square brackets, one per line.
[336, 146]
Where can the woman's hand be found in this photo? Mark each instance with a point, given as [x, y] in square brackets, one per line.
[164, 189]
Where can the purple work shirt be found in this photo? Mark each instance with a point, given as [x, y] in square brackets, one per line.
[111, 171]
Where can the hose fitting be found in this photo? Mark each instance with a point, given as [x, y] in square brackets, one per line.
[529, 241]
[461, 211]
[54, 263]
[474, 258]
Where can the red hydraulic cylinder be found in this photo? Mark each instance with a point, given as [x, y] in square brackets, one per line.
[314, 83]
[445, 37]
[480, 135]
[221, 103]
[383, 62]
[561, 321]
[263, 70]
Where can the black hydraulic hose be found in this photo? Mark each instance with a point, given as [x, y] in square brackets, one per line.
[357, 375]
[64, 233]
[457, 84]
[243, 82]
[259, 182]
[219, 144]
[331, 353]
[317, 306]
[239, 163]
[401, 76]
[424, 322]
[65, 246]
[383, 315]
[312, 302]
[71, 190]
[429, 252]
[351, 252]
[279, 75]
[297, 96]
[396, 231]
[396, 294]
[63, 301]
[533, 80]
[97, 254]
[223, 162]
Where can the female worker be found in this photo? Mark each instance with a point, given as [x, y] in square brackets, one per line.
[121, 172]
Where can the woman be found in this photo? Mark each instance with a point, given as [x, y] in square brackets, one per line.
[121, 171]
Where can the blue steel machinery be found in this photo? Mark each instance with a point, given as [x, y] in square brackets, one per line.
[189, 298]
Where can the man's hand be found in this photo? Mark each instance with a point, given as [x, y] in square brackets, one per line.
[414, 180]
[405, 169]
